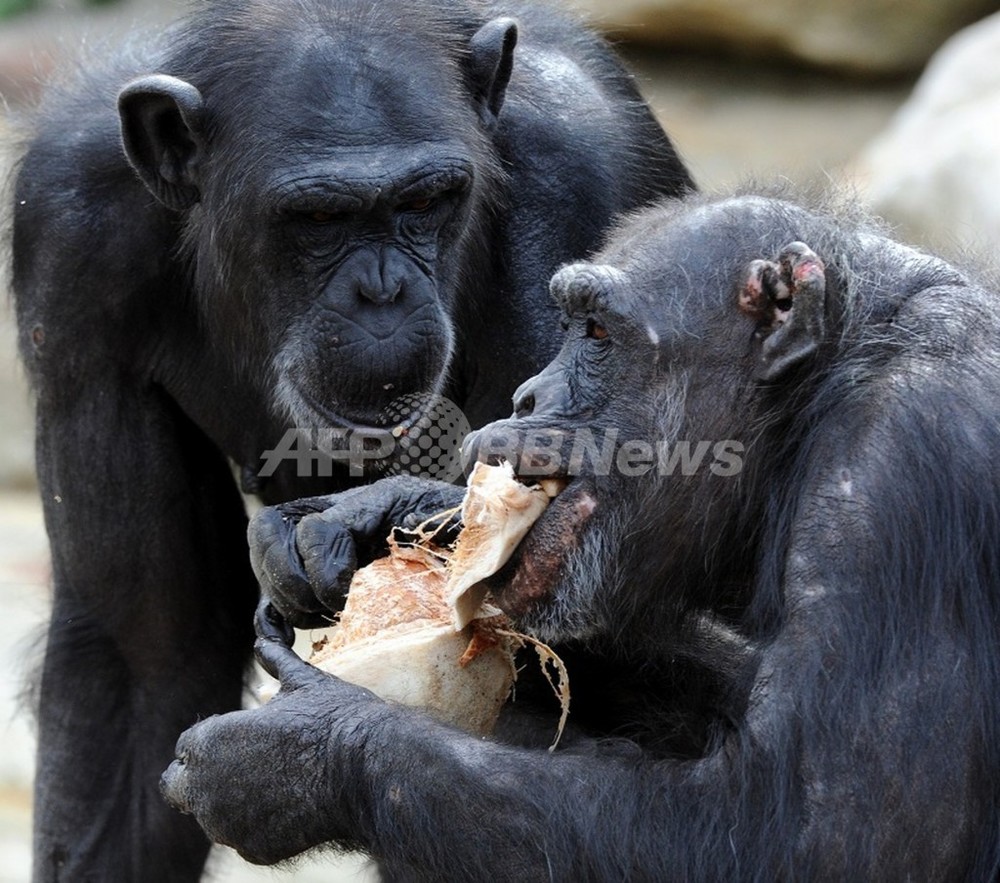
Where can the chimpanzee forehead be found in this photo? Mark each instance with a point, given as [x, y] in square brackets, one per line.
[350, 91]
[365, 171]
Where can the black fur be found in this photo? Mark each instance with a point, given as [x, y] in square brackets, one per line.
[176, 329]
[843, 588]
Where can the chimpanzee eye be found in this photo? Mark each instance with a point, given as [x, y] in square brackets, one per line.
[417, 205]
[318, 216]
[595, 330]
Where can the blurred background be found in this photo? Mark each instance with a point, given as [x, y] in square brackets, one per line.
[896, 100]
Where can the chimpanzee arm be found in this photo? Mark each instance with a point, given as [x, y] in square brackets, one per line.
[330, 763]
[149, 570]
[854, 745]
[327, 762]
[153, 596]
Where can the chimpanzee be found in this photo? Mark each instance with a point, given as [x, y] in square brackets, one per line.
[842, 520]
[278, 214]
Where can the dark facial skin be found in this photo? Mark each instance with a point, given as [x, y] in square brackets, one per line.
[360, 236]
[645, 377]
[370, 254]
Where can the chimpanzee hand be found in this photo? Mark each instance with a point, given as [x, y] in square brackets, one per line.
[270, 782]
[305, 552]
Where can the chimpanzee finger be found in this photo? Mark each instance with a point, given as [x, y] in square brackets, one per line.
[281, 662]
[275, 559]
[329, 556]
[296, 510]
[305, 562]
[349, 534]
[176, 779]
[271, 625]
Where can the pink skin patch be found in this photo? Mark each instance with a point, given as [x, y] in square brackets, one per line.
[536, 565]
[752, 297]
[809, 271]
[770, 287]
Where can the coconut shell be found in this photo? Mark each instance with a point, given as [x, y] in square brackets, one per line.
[415, 628]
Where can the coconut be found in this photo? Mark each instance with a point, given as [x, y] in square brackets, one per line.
[417, 627]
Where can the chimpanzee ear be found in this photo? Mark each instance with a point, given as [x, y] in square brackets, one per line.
[787, 297]
[491, 62]
[161, 121]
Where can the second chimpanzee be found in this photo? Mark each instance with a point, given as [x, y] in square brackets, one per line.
[843, 517]
[280, 213]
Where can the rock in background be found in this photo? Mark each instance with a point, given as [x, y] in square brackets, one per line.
[935, 171]
[865, 36]
[17, 446]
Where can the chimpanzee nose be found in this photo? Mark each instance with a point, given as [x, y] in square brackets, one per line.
[380, 275]
[379, 294]
[546, 393]
[379, 291]
[524, 403]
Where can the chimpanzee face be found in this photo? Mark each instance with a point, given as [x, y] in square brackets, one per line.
[360, 206]
[646, 414]
[364, 256]
[331, 203]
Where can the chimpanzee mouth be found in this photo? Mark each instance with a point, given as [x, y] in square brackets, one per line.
[538, 561]
[363, 422]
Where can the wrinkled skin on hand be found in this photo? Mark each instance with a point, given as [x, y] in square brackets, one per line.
[304, 553]
[326, 763]
[240, 774]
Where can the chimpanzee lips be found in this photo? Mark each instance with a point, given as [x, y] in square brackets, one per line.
[362, 421]
[538, 562]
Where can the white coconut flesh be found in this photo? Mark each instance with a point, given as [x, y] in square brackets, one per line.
[416, 628]
[497, 512]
